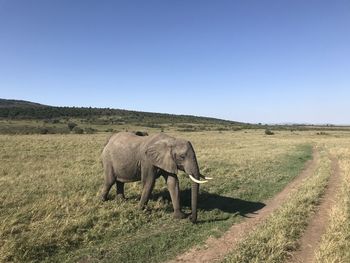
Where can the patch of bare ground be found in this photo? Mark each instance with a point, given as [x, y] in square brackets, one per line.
[319, 221]
[215, 249]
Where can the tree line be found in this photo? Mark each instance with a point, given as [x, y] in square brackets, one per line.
[49, 112]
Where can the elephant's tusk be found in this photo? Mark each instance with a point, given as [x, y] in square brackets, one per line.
[206, 178]
[196, 181]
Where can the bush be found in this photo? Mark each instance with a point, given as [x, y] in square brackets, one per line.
[322, 133]
[141, 133]
[268, 132]
[54, 121]
[89, 130]
[43, 130]
[71, 125]
[220, 129]
[78, 130]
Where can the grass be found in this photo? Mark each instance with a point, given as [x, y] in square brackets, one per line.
[335, 243]
[49, 188]
[279, 234]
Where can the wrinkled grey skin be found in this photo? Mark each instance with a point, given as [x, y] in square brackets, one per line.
[130, 158]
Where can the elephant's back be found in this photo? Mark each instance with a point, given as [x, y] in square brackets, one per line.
[124, 138]
[123, 143]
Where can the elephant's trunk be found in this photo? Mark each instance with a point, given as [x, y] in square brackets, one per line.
[194, 175]
[194, 200]
[192, 169]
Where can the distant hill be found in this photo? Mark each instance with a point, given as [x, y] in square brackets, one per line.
[19, 103]
[19, 109]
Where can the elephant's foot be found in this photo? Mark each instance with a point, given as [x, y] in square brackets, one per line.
[103, 198]
[179, 215]
[121, 197]
[193, 219]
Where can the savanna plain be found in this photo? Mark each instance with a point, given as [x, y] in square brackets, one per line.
[50, 209]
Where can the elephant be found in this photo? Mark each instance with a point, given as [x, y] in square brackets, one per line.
[128, 157]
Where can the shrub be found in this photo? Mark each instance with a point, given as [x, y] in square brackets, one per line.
[51, 121]
[71, 125]
[269, 132]
[141, 133]
[78, 130]
[322, 133]
[90, 130]
[220, 129]
[43, 130]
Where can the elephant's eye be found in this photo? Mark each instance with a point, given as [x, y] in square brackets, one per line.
[181, 157]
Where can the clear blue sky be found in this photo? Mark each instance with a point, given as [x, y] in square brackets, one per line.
[254, 61]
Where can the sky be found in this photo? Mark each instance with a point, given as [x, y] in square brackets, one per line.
[256, 61]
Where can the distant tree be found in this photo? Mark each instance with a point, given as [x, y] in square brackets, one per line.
[71, 125]
[78, 130]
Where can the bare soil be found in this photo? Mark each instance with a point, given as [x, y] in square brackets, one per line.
[215, 249]
[317, 225]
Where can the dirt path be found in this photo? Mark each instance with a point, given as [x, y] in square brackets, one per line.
[317, 225]
[216, 248]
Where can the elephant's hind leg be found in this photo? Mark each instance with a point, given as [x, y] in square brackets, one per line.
[109, 181]
[120, 190]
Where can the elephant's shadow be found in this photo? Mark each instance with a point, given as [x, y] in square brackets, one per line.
[211, 201]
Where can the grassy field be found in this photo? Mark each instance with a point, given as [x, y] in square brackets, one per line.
[335, 244]
[50, 184]
[279, 234]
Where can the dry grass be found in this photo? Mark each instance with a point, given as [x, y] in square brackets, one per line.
[273, 240]
[335, 244]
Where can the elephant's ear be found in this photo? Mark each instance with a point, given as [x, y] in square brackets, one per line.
[160, 155]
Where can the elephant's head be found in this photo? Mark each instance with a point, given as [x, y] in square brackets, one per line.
[171, 155]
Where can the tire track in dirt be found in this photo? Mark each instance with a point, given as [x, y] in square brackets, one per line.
[311, 238]
[215, 249]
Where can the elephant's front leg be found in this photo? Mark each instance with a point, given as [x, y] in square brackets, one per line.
[174, 189]
[148, 180]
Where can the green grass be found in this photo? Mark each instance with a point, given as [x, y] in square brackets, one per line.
[49, 188]
[275, 238]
